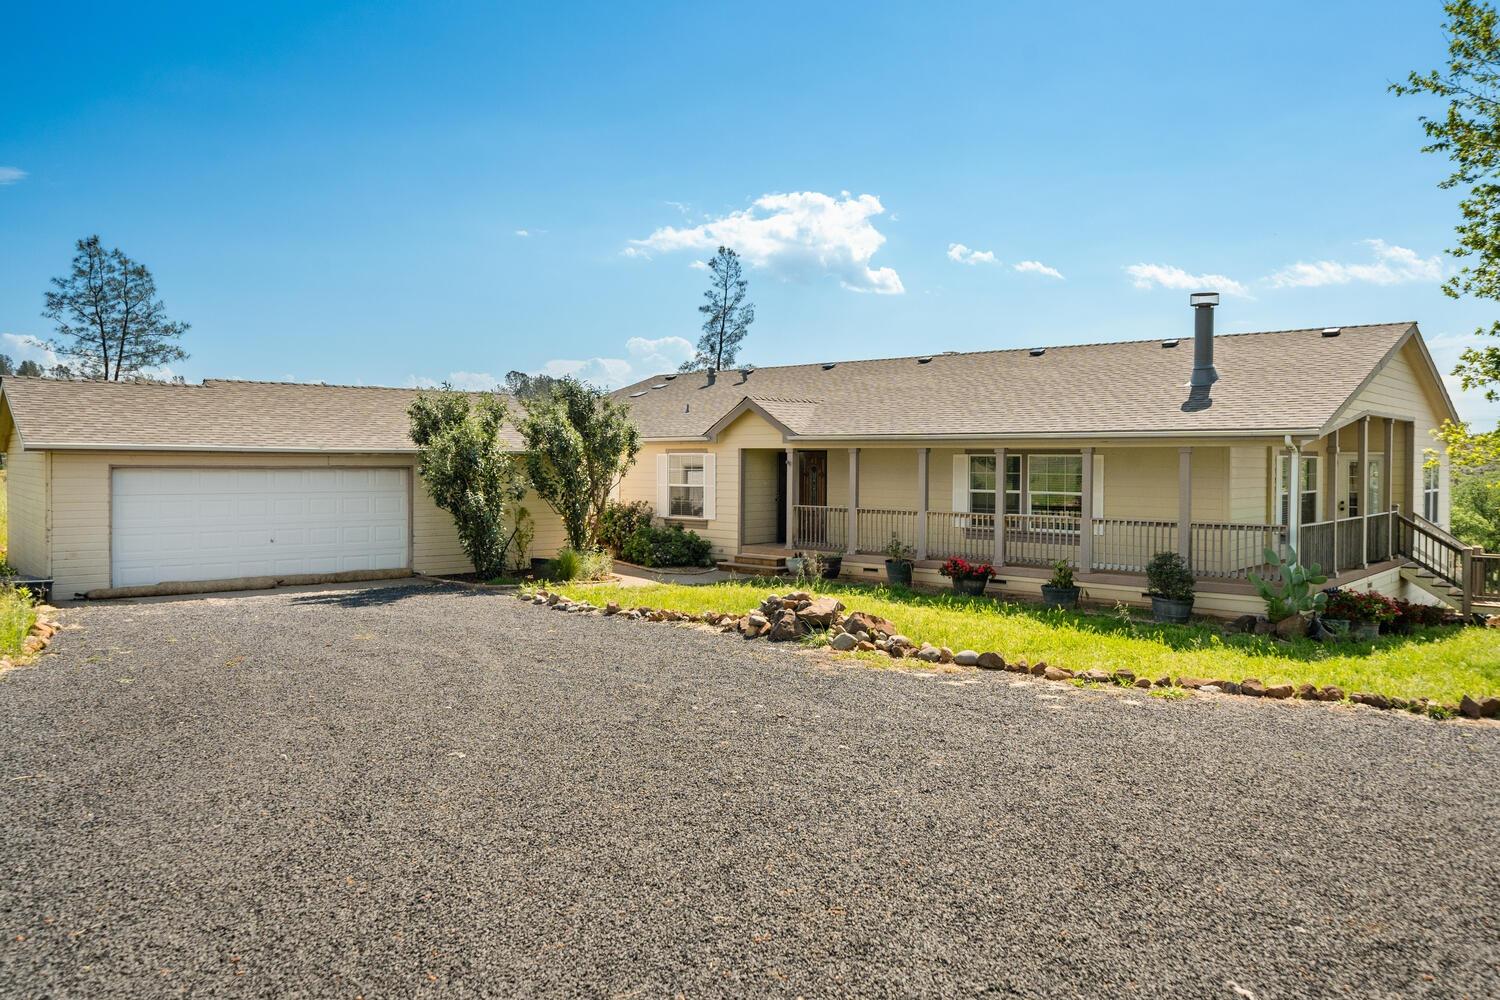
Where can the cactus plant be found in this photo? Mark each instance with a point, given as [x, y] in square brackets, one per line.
[1295, 591]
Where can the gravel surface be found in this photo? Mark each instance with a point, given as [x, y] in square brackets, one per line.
[433, 792]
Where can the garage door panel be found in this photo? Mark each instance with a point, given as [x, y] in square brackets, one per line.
[203, 524]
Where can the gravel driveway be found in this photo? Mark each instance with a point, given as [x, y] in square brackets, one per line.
[415, 792]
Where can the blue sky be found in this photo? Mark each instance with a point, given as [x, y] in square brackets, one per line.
[337, 194]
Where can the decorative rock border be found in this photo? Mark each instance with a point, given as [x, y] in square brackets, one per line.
[798, 614]
[38, 639]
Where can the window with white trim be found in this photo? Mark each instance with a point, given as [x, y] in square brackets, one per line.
[686, 485]
[1054, 484]
[1307, 489]
[1432, 477]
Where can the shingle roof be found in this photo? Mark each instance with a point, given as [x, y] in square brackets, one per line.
[220, 415]
[1290, 380]
[1279, 381]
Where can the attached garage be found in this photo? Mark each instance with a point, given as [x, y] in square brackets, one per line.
[222, 524]
[118, 485]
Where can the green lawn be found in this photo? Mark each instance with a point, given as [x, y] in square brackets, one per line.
[1441, 664]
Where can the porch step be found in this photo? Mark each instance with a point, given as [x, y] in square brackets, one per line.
[1424, 580]
[760, 568]
[759, 559]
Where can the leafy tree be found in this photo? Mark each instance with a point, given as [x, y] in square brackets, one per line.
[462, 457]
[30, 369]
[109, 320]
[726, 315]
[1476, 508]
[7, 365]
[1468, 133]
[580, 442]
[523, 386]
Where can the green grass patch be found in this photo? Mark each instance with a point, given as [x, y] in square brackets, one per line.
[17, 615]
[1439, 663]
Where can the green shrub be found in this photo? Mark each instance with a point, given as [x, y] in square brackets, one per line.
[571, 564]
[620, 521]
[1169, 576]
[668, 546]
[1062, 575]
[16, 617]
[1291, 592]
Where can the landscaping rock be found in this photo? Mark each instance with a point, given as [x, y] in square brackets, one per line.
[796, 597]
[819, 614]
[539, 599]
[787, 627]
[1331, 692]
[612, 608]
[966, 658]
[1373, 700]
[1211, 689]
[865, 646]
[1228, 687]
[553, 598]
[1038, 669]
[1279, 691]
[1143, 682]
[1490, 707]
[1056, 673]
[1253, 687]
[1193, 683]
[1243, 624]
[1291, 627]
[754, 625]
[930, 654]
[1125, 676]
[946, 654]
[1096, 676]
[990, 661]
[899, 641]
[1307, 692]
[1263, 626]
[863, 621]
[1162, 682]
[843, 642]
[1471, 708]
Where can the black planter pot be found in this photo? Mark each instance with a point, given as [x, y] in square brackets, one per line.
[898, 572]
[1060, 597]
[971, 585]
[1171, 611]
[832, 567]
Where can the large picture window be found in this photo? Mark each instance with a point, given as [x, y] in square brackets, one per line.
[1307, 489]
[686, 485]
[1054, 484]
[984, 490]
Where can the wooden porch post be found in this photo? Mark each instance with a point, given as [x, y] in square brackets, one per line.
[1413, 467]
[1388, 488]
[853, 519]
[1336, 491]
[1086, 514]
[1362, 484]
[791, 498]
[999, 507]
[1185, 504]
[1294, 502]
[922, 455]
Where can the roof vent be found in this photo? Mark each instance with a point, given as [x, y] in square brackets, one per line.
[923, 361]
[828, 364]
[1037, 352]
[1332, 331]
[635, 395]
[669, 377]
[1169, 343]
[659, 385]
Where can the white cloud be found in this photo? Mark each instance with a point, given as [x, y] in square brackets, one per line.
[795, 235]
[698, 265]
[644, 357]
[1446, 348]
[10, 175]
[523, 232]
[635, 253]
[467, 381]
[28, 348]
[1167, 276]
[1392, 265]
[963, 255]
[1037, 267]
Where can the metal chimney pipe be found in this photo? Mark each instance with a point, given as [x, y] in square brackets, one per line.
[1204, 373]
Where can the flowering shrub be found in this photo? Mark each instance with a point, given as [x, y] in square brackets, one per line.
[962, 569]
[1360, 606]
[1410, 614]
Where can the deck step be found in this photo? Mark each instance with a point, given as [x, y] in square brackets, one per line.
[753, 569]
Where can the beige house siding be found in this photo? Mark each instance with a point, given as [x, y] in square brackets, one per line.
[80, 510]
[26, 497]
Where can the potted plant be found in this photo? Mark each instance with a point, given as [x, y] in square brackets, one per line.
[898, 561]
[796, 563]
[1059, 590]
[1339, 612]
[968, 578]
[1170, 585]
[832, 567]
[1375, 611]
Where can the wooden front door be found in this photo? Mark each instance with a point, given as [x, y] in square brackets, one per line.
[812, 478]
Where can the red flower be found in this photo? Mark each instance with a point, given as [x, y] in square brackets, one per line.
[962, 569]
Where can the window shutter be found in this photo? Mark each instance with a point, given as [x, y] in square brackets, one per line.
[710, 485]
[960, 484]
[663, 495]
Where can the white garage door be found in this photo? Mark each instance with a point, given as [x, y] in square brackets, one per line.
[219, 524]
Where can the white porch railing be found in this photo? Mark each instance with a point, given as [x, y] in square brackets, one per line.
[825, 528]
[1127, 545]
[1233, 551]
[878, 524]
[968, 536]
[1041, 539]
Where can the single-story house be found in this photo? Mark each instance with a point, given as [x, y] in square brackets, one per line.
[1098, 455]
